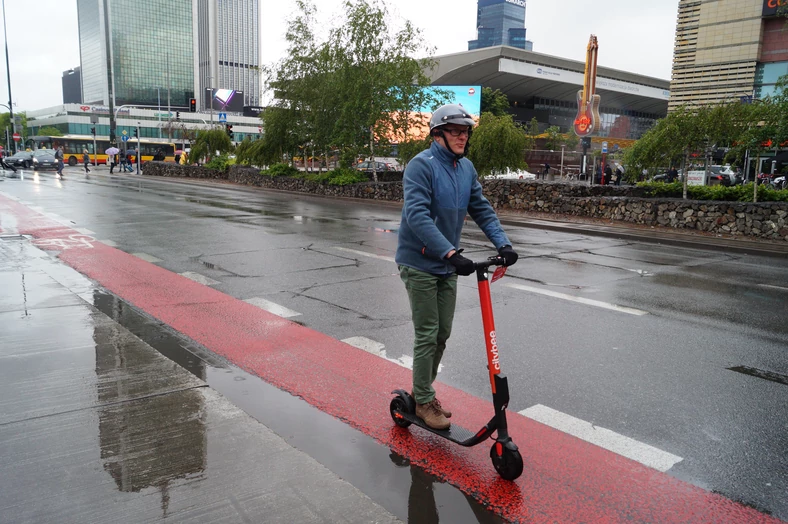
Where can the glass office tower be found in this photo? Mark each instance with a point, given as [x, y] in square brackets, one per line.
[228, 48]
[500, 22]
[151, 51]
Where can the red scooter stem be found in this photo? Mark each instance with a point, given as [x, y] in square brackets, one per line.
[490, 338]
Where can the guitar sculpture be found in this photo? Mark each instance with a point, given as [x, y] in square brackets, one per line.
[588, 120]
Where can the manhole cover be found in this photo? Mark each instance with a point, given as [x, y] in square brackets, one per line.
[15, 237]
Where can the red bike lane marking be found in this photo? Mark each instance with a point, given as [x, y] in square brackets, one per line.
[565, 479]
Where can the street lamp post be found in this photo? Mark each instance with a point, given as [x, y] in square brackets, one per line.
[8, 70]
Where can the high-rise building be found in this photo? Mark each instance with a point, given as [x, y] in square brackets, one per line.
[228, 48]
[727, 50]
[176, 49]
[151, 51]
[500, 22]
[72, 86]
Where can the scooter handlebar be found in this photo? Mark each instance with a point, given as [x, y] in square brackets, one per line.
[492, 261]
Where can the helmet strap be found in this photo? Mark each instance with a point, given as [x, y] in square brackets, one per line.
[439, 132]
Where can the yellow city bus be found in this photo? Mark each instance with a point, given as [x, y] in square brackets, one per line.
[74, 145]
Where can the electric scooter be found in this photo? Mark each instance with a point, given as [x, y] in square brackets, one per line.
[505, 456]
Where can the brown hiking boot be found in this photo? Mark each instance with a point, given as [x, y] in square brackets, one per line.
[432, 416]
[446, 412]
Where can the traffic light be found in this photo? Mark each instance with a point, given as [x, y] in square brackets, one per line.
[93, 131]
[177, 115]
[192, 105]
[135, 132]
[229, 129]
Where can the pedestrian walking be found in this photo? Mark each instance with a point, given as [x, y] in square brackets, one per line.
[545, 171]
[440, 187]
[86, 160]
[59, 156]
[608, 174]
[4, 164]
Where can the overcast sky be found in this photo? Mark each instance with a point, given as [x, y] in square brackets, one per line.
[634, 35]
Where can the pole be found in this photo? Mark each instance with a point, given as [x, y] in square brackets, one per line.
[139, 151]
[158, 94]
[95, 160]
[755, 179]
[169, 109]
[604, 166]
[110, 81]
[8, 70]
[562, 161]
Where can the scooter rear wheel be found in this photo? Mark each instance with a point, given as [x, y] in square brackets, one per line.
[507, 462]
[397, 406]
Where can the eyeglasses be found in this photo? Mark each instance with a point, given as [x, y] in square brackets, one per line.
[458, 132]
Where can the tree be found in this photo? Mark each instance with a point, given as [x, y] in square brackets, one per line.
[494, 101]
[210, 142]
[410, 148]
[554, 138]
[357, 87]
[49, 131]
[571, 140]
[497, 144]
[533, 131]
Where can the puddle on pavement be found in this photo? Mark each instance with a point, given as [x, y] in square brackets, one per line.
[387, 478]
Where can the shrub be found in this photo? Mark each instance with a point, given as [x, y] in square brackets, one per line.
[220, 163]
[740, 193]
[281, 169]
[345, 177]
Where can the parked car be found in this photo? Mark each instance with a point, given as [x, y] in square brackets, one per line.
[366, 167]
[511, 174]
[44, 159]
[23, 159]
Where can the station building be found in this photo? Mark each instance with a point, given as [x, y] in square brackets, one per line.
[157, 124]
[546, 87]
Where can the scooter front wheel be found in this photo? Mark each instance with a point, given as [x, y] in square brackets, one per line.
[506, 461]
[396, 408]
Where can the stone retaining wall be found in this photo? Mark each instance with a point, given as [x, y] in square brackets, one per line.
[768, 220]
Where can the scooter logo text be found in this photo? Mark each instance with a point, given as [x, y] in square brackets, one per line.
[494, 350]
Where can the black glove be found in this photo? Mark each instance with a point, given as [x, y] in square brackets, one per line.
[509, 255]
[463, 265]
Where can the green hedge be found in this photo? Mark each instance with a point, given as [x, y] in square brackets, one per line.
[740, 193]
[337, 177]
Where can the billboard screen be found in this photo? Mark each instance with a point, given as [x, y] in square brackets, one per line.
[227, 100]
[469, 97]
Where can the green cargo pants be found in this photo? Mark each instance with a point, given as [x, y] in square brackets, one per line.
[432, 301]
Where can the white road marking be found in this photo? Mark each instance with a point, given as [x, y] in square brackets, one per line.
[778, 288]
[376, 348]
[579, 300]
[272, 307]
[365, 254]
[200, 279]
[604, 438]
[147, 258]
[85, 231]
[109, 243]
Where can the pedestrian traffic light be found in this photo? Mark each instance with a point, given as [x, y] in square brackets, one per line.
[192, 105]
[229, 129]
[93, 131]
[135, 133]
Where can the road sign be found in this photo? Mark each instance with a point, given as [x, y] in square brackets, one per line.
[17, 138]
[125, 138]
[604, 147]
[124, 132]
[222, 117]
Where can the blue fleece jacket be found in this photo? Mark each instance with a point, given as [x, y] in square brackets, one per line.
[439, 192]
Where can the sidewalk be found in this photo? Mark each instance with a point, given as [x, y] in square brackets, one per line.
[97, 426]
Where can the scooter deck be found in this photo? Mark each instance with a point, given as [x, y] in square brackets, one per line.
[455, 433]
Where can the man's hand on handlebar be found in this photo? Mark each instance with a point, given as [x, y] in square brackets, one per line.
[463, 265]
[509, 255]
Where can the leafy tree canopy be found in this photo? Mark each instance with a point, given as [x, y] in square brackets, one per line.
[494, 101]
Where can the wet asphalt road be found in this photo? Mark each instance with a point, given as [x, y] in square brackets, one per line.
[663, 378]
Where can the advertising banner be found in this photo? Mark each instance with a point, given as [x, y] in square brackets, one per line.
[696, 178]
[227, 100]
[469, 97]
[770, 7]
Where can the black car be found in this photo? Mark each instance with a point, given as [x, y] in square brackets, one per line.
[44, 159]
[23, 159]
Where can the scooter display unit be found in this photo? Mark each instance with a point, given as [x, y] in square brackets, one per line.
[506, 458]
